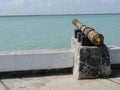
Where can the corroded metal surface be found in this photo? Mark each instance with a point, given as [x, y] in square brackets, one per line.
[95, 37]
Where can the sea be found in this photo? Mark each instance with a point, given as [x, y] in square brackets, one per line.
[35, 32]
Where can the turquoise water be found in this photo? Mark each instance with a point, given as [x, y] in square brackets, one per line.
[47, 32]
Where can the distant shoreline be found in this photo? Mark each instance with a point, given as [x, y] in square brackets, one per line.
[58, 14]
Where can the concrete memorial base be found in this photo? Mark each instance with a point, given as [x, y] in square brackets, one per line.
[90, 61]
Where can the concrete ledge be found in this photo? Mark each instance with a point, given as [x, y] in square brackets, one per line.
[44, 59]
[36, 60]
[114, 52]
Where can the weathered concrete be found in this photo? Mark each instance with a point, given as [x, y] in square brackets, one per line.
[62, 82]
[90, 61]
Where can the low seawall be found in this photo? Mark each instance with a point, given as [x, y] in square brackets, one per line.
[44, 59]
[114, 52]
[36, 60]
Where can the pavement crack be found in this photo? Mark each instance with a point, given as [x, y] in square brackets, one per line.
[4, 85]
[114, 81]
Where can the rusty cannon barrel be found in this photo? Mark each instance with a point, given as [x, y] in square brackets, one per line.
[95, 37]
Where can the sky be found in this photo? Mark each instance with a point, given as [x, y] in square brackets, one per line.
[46, 7]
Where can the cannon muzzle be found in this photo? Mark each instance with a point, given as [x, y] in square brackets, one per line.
[95, 37]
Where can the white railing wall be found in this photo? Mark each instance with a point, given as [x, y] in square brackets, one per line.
[44, 59]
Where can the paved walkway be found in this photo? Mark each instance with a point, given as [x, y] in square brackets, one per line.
[61, 82]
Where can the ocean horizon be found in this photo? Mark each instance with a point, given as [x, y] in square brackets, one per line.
[15, 15]
[34, 32]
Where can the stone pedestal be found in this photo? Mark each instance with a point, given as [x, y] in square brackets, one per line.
[90, 61]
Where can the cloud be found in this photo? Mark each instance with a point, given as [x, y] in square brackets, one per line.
[58, 6]
[18, 2]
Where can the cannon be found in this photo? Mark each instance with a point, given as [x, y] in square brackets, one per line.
[94, 37]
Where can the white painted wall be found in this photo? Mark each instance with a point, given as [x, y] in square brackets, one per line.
[114, 55]
[44, 59]
[34, 60]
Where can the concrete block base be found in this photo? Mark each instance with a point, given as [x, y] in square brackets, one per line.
[90, 61]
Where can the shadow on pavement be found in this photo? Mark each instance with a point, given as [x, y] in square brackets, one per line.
[35, 73]
[115, 73]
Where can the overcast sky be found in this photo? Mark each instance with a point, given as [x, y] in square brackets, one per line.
[41, 7]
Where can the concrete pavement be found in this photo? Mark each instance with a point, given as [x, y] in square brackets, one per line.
[61, 82]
